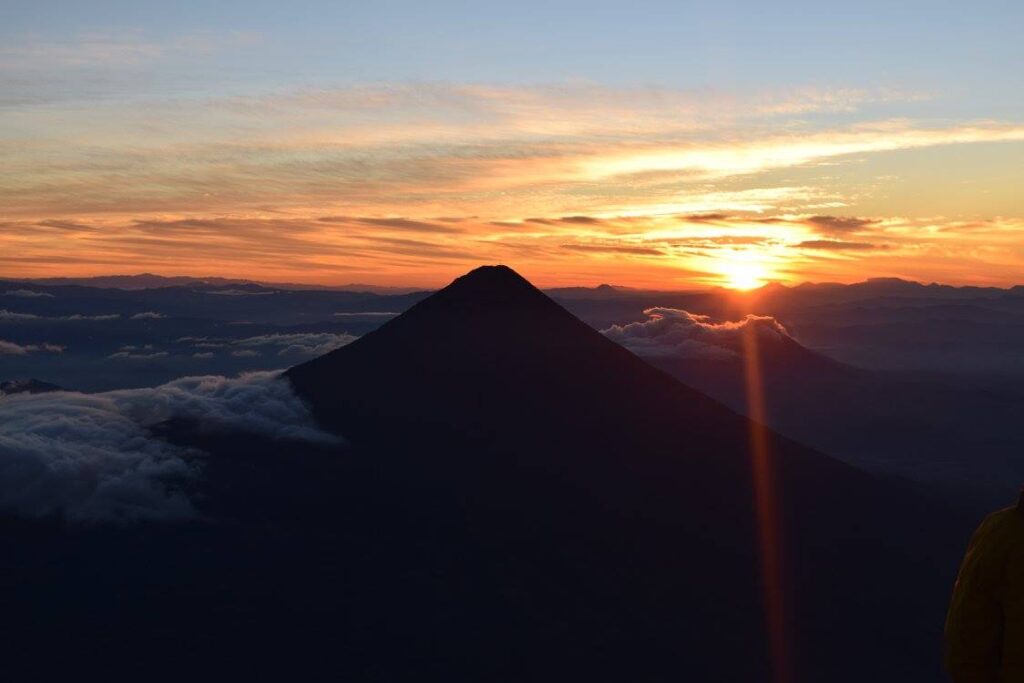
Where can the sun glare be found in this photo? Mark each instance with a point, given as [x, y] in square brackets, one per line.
[743, 274]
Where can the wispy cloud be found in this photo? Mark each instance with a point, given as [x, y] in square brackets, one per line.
[138, 355]
[840, 224]
[412, 183]
[14, 316]
[283, 344]
[114, 49]
[12, 349]
[837, 245]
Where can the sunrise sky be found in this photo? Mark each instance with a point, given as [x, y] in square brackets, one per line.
[655, 144]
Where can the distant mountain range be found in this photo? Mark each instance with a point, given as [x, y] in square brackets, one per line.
[889, 286]
[151, 281]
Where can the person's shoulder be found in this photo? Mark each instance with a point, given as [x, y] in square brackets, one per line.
[1000, 524]
[1008, 524]
[1011, 516]
[1004, 516]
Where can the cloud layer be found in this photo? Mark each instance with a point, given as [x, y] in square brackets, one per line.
[12, 349]
[14, 316]
[307, 344]
[91, 457]
[675, 333]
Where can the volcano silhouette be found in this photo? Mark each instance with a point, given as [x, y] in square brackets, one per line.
[604, 512]
[493, 364]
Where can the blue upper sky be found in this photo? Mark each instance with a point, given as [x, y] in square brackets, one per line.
[965, 47]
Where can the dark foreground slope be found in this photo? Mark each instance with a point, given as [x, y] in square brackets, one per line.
[520, 500]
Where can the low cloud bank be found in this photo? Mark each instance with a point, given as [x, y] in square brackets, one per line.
[91, 457]
[13, 316]
[301, 344]
[671, 332]
[237, 292]
[131, 355]
[12, 349]
[298, 344]
[28, 294]
[133, 352]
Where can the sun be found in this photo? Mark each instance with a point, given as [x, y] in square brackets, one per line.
[743, 274]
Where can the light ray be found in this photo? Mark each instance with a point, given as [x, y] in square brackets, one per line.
[767, 511]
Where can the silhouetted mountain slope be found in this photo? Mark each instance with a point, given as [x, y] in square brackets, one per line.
[492, 360]
[964, 440]
[622, 499]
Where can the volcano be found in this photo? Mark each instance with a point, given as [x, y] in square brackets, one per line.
[609, 508]
[492, 364]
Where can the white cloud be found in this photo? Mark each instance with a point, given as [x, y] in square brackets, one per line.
[12, 349]
[11, 315]
[148, 315]
[91, 457]
[133, 352]
[296, 344]
[302, 344]
[129, 355]
[671, 332]
[15, 316]
[237, 292]
[78, 316]
[28, 294]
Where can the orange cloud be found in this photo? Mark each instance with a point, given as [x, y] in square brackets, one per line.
[654, 251]
[409, 184]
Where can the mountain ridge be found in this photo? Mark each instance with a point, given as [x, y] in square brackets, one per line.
[139, 281]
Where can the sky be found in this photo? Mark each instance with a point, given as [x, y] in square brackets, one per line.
[654, 144]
